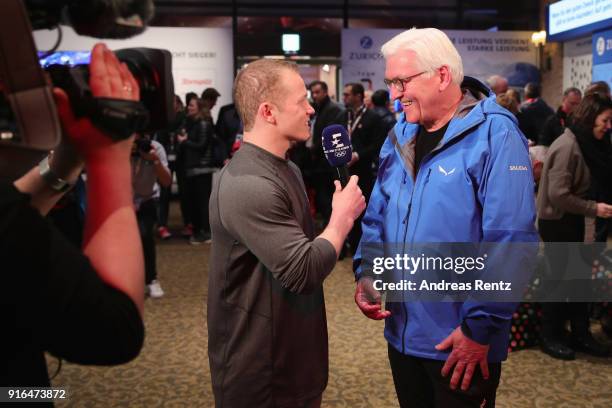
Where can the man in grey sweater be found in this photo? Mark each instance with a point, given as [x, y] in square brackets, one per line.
[266, 314]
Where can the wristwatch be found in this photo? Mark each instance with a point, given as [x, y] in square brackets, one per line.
[56, 183]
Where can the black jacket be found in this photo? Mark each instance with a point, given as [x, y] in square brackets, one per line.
[228, 125]
[366, 140]
[386, 116]
[553, 128]
[196, 152]
[328, 113]
[533, 116]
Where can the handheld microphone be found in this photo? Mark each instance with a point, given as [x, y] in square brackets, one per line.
[337, 150]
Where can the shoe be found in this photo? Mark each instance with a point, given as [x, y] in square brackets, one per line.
[199, 238]
[587, 344]
[187, 231]
[163, 232]
[556, 349]
[155, 290]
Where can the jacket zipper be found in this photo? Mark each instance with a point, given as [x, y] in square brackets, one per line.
[407, 222]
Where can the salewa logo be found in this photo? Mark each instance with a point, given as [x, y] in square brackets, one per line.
[446, 173]
[518, 168]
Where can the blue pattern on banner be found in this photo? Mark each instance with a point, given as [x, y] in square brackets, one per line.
[602, 47]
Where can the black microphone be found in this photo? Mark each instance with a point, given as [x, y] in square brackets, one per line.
[337, 150]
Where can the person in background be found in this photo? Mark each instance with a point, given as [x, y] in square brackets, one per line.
[167, 138]
[195, 148]
[149, 167]
[380, 102]
[555, 124]
[367, 98]
[209, 97]
[514, 94]
[600, 87]
[86, 305]
[562, 205]
[367, 134]
[327, 112]
[229, 127]
[498, 84]
[188, 97]
[534, 111]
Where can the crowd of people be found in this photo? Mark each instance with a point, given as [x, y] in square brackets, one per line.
[572, 162]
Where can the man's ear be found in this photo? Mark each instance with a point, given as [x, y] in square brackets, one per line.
[266, 112]
[445, 77]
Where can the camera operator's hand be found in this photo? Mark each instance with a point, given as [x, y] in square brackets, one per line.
[108, 79]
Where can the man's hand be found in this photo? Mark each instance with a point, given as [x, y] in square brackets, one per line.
[108, 79]
[604, 210]
[347, 203]
[368, 300]
[465, 356]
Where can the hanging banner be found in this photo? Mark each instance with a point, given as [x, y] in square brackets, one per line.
[201, 57]
[484, 53]
[602, 56]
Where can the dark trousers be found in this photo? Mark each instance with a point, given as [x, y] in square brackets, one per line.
[165, 195]
[198, 194]
[570, 228]
[181, 182]
[147, 217]
[419, 384]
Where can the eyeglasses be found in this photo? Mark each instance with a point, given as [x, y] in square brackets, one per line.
[400, 83]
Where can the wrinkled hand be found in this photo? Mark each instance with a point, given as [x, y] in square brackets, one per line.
[368, 300]
[466, 355]
[108, 79]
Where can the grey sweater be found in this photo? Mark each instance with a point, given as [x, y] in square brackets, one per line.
[565, 181]
[266, 315]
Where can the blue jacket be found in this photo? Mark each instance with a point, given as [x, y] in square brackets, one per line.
[475, 186]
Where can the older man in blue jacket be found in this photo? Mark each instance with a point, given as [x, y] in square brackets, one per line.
[455, 169]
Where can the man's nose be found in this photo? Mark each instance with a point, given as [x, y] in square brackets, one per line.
[395, 94]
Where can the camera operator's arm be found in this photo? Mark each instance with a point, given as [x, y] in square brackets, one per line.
[64, 163]
[111, 238]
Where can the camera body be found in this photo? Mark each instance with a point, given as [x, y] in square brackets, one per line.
[143, 145]
[25, 91]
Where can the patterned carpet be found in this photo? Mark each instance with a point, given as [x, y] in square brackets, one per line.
[172, 370]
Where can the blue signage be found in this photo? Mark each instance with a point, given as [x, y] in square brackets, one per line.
[569, 19]
[602, 47]
[602, 57]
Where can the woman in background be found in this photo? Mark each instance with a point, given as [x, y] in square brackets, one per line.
[562, 206]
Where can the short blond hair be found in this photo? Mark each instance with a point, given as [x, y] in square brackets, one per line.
[260, 81]
[432, 47]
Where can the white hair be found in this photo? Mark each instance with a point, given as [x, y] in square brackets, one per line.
[432, 47]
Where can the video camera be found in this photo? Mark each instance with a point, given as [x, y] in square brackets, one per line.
[28, 118]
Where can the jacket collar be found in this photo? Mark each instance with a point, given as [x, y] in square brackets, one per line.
[469, 113]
